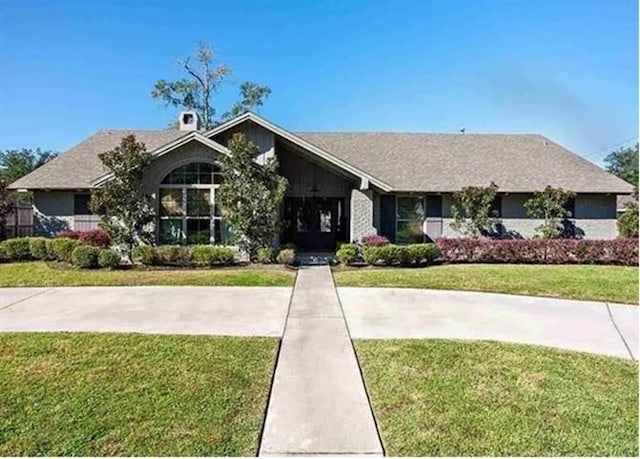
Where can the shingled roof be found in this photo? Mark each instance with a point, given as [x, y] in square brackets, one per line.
[78, 167]
[404, 161]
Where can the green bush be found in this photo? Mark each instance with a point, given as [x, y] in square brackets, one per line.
[3, 254]
[265, 255]
[85, 257]
[406, 255]
[286, 256]
[63, 248]
[108, 258]
[16, 249]
[209, 255]
[144, 254]
[419, 254]
[51, 255]
[628, 222]
[38, 248]
[348, 254]
[173, 255]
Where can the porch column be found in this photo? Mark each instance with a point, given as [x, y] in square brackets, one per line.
[361, 214]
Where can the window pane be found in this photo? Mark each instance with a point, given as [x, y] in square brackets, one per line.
[411, 208]
[171, 231]
[170, 202]
[191, 174]
[409, 232]
[198, 203]
[198, 231]
[81, 204]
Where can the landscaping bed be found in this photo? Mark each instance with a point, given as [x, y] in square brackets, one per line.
[617, 284]
[449, 398]
[84, 394]
[48, 274]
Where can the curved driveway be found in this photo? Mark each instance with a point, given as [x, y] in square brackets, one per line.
[387, 313]
[370, 313]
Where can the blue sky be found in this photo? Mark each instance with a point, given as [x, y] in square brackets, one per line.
[567, 69]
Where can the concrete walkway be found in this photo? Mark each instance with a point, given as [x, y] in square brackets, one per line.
[318, 403]
[417, 313]
[235, 311]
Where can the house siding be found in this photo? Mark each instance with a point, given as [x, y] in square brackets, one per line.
[53, 211]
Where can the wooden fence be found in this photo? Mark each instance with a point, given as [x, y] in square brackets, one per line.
[20, 222]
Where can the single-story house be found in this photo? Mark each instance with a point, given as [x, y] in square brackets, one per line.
[342, 185]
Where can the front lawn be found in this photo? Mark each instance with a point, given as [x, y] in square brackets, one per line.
[84, 394]
[41, 274]
[449, 398]
[583, 282]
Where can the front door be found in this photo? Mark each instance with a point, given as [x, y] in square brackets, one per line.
[314, 223]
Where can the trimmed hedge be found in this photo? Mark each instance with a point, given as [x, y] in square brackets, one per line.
[178, 255]
[540, 251]
[348, 254]
[404, 255]
[96, 237]
[265, 255]
[286, 256]
[62, 248]
[85, 257]
[38, 248]
[210, 255]
[17, 249]
[108, 258]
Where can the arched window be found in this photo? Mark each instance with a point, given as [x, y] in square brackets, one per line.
[188, 213]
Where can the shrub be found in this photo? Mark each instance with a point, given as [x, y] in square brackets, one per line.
[208, 255]
[348, 254]
[38, 248]
[85, 257]
[63, 247]
[49, 248]
[108, 258]
[286, 256]
[144, 254]
[406, 255]
[542, 251]
[419, 254]
[96, 237]
[374, 240]
[289, 245]
[265, 255]
[628, 222]
[3, 254]
[173, 255]
[16, 249]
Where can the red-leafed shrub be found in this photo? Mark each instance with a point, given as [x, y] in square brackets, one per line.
[543, 251]
[96, 237]
[374, 240]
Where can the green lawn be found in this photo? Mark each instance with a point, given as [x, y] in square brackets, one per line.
[41, 274]
[84, 394]
[584, 282]
[448, 398]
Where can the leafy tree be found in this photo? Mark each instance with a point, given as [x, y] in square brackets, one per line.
[624, 164]
[549, 205]
[203, 81]
[250, 196]
[6, 206]
[471, 211]
[126, 212]
[628, 219]
[252, 96]
[18, 163]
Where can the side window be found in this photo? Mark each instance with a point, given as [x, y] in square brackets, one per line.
[434, 206]
[571, 207]
[496, 207]
[81, 204]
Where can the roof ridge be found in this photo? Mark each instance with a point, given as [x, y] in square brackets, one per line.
[421, 133]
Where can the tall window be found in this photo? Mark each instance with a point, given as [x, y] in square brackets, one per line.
[410, 216]
[188, 211]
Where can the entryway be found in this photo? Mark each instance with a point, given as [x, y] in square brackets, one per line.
[314, 223]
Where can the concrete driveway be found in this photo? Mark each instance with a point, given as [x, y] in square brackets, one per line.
[239, 311]
[416, 313]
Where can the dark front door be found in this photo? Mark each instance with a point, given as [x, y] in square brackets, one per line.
[314, 223]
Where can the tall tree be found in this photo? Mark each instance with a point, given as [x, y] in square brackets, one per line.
[250, 196]
[204, 79]
[6, 207]
[18, 163]
[471, 210]
[624, 164]
[126, 212]
[549, 205]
